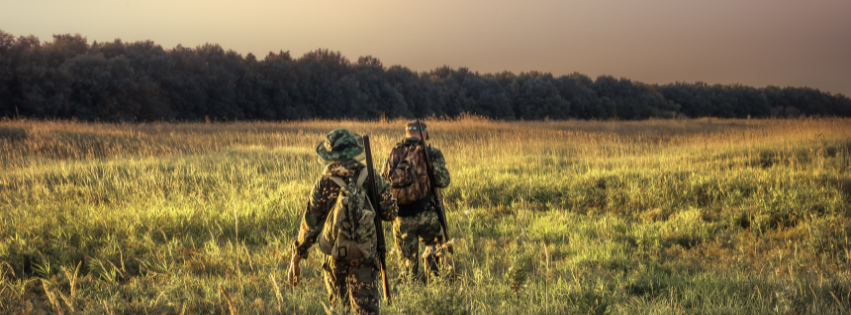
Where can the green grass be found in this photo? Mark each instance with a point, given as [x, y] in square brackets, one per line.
[584, 217]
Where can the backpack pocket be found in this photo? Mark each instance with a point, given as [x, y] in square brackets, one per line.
[349, 231]
[402, 176]
[409, 180]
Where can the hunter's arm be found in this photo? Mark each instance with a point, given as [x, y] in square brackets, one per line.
[438, 162]
[318, 206]
[389, 209]
[385, 170]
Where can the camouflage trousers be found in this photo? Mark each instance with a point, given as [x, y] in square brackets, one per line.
[351, 284]
[409, 233]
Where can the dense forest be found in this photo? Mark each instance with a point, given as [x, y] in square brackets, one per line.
[116, 81]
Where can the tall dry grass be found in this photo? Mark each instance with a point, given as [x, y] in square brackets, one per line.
[659, 216]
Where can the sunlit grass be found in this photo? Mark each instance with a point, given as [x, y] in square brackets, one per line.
[696, 216]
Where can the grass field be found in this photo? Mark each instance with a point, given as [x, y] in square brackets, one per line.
[585, 217]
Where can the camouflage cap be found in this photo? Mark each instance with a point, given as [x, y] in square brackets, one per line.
[340, 145]
[413, 126]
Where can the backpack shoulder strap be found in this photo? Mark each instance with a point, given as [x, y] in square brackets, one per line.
[339, 181]
[342, 183]
[362, 177]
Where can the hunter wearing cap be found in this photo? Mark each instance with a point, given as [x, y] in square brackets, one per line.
[344, 279]
[418, 221]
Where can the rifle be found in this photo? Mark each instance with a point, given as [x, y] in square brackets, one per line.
[379, 229]
[441, 213]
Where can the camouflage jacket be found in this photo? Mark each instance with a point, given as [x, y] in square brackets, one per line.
[323, 196]
[438, 163]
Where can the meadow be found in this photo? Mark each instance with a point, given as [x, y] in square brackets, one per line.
[702, 216]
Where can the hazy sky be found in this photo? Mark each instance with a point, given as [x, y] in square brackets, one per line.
[753, 42]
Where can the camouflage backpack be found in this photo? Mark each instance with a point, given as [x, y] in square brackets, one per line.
[349, 231]
[408, 174]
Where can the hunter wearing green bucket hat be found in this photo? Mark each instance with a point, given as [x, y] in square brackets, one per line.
[349, 279]
[340, 145]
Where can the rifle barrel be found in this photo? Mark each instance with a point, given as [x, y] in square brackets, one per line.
[441, 212]
[381, 246]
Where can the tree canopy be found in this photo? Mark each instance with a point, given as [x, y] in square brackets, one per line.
[140, 81]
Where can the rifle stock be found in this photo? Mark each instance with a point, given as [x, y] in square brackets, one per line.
[379, 228]
[441, 213]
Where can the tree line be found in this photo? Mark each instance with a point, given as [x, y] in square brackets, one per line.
[116, 81]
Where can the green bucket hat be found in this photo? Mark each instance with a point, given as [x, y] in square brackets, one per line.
[340, 145]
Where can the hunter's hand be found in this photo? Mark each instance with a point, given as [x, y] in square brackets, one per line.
[294, 272]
